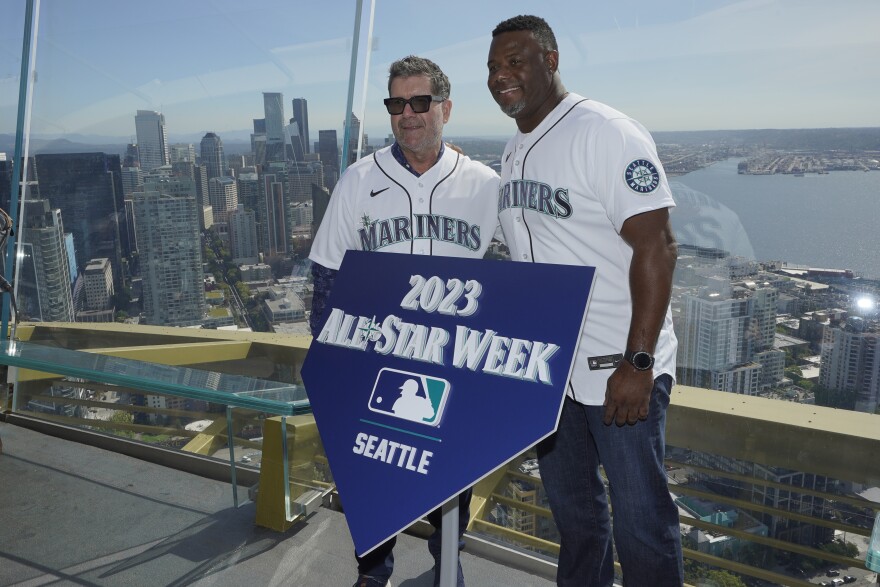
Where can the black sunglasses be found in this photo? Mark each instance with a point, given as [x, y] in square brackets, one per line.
[419, 104]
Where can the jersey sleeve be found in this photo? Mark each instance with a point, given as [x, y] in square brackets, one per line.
[626, 173]
[336, 233]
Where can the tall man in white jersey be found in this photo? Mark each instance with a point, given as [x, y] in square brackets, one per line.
[416, 196]
[581, 184]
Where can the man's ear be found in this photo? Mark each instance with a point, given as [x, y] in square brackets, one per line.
[551, 59]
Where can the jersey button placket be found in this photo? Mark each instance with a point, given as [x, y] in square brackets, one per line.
[420, 248]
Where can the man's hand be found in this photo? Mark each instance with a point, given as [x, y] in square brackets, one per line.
[628, 395]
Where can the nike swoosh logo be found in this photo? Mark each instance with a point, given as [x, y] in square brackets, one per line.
[373, 194]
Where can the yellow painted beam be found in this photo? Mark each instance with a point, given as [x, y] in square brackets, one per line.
[168, 354]
[139, 333]
[800, 437]
[303, 446]
[209, 440]
[483, 490]
[182, 354]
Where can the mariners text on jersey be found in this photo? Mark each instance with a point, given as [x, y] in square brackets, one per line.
[377, 234]
[534, 195]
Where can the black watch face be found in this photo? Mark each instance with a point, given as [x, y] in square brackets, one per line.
[642, 361]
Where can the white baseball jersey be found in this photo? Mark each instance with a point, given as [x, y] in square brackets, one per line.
[566, 189]
[379, 205]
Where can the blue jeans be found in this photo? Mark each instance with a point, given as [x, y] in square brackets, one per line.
[646, 531]
[379, 562]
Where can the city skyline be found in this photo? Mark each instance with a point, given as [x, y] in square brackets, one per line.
[674, 65]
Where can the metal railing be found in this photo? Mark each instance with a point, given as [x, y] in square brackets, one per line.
[789, 473]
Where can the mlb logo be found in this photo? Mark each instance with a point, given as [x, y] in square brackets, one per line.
[409, 396]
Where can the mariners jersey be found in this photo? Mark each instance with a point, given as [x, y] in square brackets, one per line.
[566, 189]
[378, 205]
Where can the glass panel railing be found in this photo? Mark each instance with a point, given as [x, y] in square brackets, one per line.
[224, 416]
[200, 385]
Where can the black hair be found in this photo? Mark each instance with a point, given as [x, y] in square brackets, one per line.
[537, 25]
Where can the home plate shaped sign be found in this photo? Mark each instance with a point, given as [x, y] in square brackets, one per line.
[431, 372]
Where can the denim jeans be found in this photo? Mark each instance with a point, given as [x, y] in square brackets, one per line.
[379, 562]
[645, 529]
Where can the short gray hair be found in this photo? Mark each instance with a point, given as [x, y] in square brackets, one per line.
[412, 66]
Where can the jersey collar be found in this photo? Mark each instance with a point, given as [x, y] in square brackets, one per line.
[397, 152]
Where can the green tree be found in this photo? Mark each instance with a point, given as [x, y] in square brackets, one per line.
[841, 548]
[722, 579]
[121, 417]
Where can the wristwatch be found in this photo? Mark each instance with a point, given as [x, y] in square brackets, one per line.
[641, 360]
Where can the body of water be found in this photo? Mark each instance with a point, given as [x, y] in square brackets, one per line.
[830, 221]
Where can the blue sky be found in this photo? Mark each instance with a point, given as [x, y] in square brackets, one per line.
[672, 64]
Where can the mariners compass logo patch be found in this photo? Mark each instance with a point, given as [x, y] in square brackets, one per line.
[642, 176]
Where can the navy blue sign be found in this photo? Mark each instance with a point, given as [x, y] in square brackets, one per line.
[431, 372]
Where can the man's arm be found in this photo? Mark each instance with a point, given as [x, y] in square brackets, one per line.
[323, 280]
[650, 279]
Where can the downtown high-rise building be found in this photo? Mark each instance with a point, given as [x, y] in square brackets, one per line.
[5, 180]
[212, 156]
[258, 140]
[320, 201]
[250, 195]
[183, 152]
[328, 149]
[353, 138]
[167, 216]
[301, 177]
[223, 194]
[97, 292]
[274, 215]
[249, 188]
[132, 156]
[722, 333]
[132, 180]
[98, 280]
[87, 188]
[273, 109]
[45, 290]
[301, 119]
[851, 362]
[293, 145]
[243, 236]
[152, 139]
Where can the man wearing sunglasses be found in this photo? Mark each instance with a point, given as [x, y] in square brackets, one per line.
[417, 196]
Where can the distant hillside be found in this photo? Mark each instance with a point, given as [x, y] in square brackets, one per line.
[7, 145]
[824, 139]
[807, 139]
[63, 145]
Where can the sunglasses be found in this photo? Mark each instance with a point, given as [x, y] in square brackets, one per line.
[419, 104]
